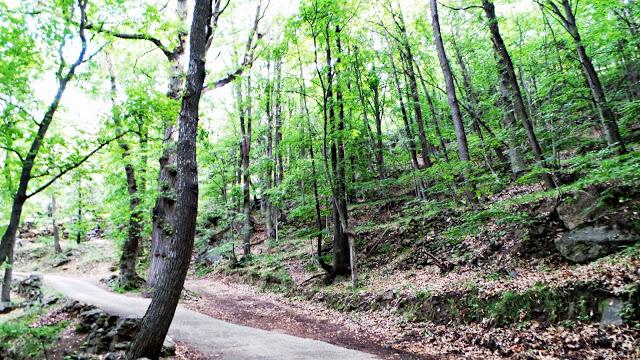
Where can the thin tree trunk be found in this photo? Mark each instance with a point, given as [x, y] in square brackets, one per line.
[268, 207]
[56, 232]
[515, 95]
[413, 90]
[244, 111]
[473, 105]
[607, 117]
[8, 241]
[463, 147]
[278, 125]
[407, 127]
[377, 109]
[156, 321]
[129, 279]
[314, 178]
[434, 115]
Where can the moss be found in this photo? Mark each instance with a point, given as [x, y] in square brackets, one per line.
[540, 303]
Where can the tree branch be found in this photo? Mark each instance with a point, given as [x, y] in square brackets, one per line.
[13, 151]
[249, 55]
[128, 36]
[75, 165]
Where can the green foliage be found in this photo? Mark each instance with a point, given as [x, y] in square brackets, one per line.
[29, 342]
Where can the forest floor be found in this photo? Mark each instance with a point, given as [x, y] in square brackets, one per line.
[79, 279]
[245, 305]
[440, 281]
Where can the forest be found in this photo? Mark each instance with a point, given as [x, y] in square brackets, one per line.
[320, 179]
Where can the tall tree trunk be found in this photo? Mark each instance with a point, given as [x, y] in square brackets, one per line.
[515, 95]
[413, 89]
[407, 127]
[129, 279]
[56, 232]
[340, 240]
[377, 109]
[164, 212]
[341, 183]
[244, 113]
[509, 123]
[159, 315]
[268, 207]
[463, 147]
[278, 125]
[314, 178]
[607, 117]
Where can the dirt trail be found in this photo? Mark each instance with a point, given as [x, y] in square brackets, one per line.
[240, 304]
[217, 338]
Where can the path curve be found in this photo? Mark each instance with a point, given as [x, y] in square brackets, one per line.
[220, 339]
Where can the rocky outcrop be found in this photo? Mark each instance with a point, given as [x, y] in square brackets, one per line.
[108, 334]
[579, 208]
[30, 289]
[597, 222]
[595, 241]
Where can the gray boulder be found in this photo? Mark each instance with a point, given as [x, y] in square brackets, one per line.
[611, 312]
[592, 242]
[578, 209]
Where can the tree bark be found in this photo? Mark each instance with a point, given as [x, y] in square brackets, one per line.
[413, 90]
[407, 127]
[463, 147]
[339, 202]
[268, 207]
[155, 324]
[513, 88]
[244, 109]
[56, 232]
[129, 279]
[164, 214]
[607, 117]
[377, 110]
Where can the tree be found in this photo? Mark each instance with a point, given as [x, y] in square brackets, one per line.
[463, 147]
[567, 19]
[56, 232]
[511, 89]
[128, 279]
[156, 321]
[64, 74]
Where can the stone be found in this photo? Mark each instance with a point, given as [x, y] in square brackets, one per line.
[30, 289]
[121, 346]
[168, 347]
[388, 295]
[6, 307]
[49, 300]
[60, 262]
[611, 312]
[114, 355]
[592, 242]
[578, 209]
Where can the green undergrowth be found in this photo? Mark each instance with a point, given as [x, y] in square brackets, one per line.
[452, 222]
[22, 341]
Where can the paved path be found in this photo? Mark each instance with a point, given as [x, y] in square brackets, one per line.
[222, 340]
